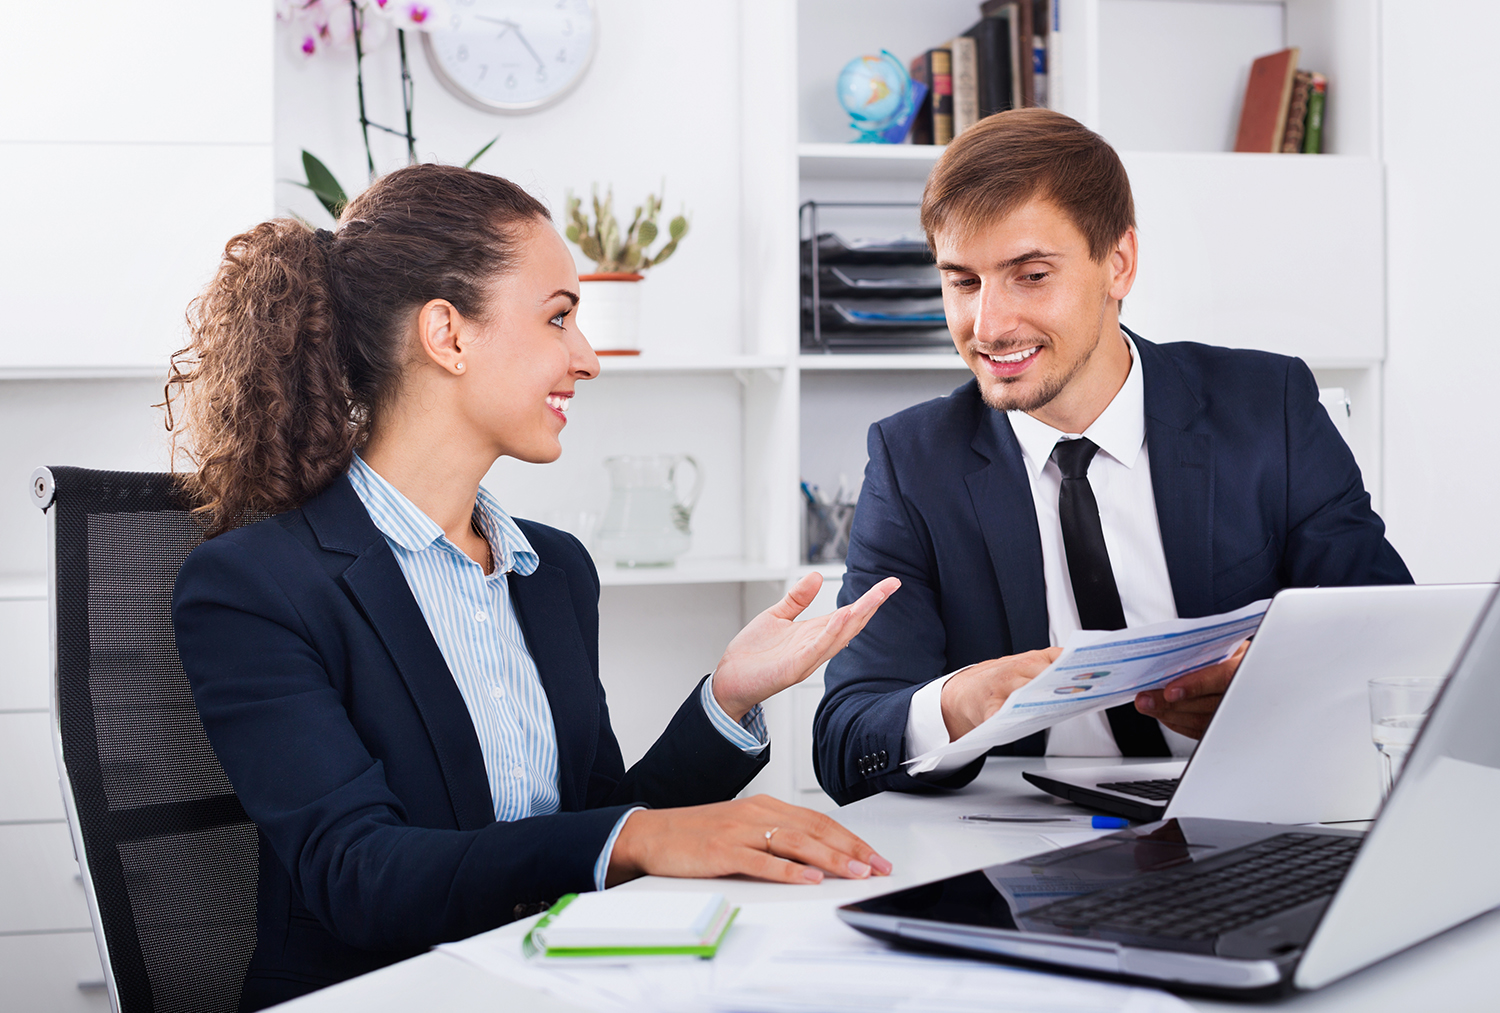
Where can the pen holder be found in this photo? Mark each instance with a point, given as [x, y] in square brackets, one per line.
[825, 531]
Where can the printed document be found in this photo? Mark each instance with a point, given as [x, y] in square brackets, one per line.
[1105, 668]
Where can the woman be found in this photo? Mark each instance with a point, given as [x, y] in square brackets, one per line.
[399, 679]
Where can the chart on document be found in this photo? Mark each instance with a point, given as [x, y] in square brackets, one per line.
[1104, 668]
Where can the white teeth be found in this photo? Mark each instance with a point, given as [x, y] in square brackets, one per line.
[560, 403]
[1014, 356]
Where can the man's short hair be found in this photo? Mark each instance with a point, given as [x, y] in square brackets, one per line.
[1005, 160]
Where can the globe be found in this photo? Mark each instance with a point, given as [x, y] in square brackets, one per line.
[876, 92]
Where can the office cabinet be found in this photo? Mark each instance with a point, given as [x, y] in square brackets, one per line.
[57, 972]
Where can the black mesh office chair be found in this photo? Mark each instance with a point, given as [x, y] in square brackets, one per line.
[168, 855]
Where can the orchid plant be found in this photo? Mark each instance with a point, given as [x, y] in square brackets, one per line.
[319, 25]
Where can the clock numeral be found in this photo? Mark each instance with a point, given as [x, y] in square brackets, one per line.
[510, 80]
[463, 52]
[562, 56]
[482, 68]
[568, 27]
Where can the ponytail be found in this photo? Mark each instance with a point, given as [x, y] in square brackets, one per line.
[301, 336]
[274, 426]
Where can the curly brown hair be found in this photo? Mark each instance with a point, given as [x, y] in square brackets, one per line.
[302, 335]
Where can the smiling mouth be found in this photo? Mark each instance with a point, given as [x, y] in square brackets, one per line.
[559, 402]
[1012, 358]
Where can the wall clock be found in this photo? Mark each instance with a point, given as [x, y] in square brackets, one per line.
[513, 56]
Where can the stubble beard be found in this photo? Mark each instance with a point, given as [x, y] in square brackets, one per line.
[1005, 394]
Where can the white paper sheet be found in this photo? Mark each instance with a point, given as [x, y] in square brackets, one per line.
[798, 958]
[1104, 668]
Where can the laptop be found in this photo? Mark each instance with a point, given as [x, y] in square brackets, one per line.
[1240, 908]
[1303, 679]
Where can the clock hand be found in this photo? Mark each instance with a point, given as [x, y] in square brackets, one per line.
[541, 64]
[510, 26]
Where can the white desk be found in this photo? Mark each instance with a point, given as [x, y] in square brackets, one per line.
[923, 837]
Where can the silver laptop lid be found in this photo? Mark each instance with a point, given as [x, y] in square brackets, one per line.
[1291, 740]
[1429, 861]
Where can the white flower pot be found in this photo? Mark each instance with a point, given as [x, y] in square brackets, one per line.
[609, 312]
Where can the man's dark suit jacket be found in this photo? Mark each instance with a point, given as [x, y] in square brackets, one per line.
[339, 724]
[1255, 491]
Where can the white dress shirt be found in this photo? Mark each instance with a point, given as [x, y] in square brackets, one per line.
[1120, 474]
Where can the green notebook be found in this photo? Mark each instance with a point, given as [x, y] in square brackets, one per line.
[633, 923]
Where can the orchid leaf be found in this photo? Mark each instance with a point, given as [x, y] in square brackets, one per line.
[480, 153]
[323, 185]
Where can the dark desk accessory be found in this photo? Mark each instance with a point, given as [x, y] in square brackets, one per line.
[868, 295]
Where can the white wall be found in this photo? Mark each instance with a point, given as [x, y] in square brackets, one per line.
[1441, 146]
[661, 101]
[132, 144]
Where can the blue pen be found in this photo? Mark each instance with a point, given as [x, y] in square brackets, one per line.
[1093, 822]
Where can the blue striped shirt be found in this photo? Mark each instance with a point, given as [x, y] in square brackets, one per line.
[474, 623]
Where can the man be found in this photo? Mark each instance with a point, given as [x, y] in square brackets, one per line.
[1085, 478]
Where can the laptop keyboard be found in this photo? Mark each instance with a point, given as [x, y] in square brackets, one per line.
[1264, 879]
[1158, 791]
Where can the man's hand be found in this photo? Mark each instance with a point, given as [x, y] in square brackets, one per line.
[975, 693]
[730, 838]
[1187, 703]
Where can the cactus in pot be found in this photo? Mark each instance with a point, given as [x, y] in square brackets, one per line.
[614, 251]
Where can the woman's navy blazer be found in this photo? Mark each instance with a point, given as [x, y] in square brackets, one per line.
[340, 726]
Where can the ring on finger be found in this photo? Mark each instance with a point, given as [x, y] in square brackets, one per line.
[769, 834]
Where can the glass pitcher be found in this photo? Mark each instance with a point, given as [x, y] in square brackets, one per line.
[647, 522]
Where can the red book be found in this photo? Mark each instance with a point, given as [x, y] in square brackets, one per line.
[1267, 96]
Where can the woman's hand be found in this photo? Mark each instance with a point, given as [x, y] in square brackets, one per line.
[760, 836]
[773, 652]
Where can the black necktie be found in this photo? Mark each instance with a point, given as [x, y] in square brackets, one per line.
[1094, 584]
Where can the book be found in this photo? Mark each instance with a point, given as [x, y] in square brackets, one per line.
[1053, 42]
[965, 83]
[634, 923]
[1039, 69]
[920, 69]
[992, 48]
[1296, 114]
[941, 62]
[1267, 97]
[1017, 17]
[1317, 100]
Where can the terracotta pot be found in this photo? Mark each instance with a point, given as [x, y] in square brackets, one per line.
[609, 312]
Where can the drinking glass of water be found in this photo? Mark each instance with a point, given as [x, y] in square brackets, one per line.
[1398, 706]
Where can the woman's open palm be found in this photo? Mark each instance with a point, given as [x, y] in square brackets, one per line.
[774, 651]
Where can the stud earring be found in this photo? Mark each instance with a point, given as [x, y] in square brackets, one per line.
[458, 366]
